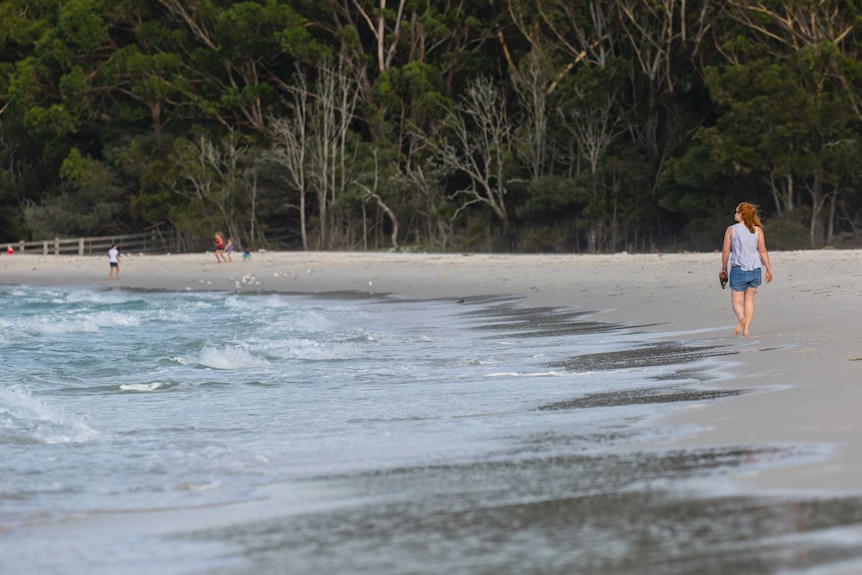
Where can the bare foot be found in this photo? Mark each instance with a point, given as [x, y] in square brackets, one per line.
[738, 329]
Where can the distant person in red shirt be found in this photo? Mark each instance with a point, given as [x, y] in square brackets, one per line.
[219, 248]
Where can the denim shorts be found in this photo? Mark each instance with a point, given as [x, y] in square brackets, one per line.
[742, 280]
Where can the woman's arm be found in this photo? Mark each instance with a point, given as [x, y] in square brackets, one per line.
[725, 249]
[764, 256]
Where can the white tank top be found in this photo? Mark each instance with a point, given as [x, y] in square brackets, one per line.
[743, 248]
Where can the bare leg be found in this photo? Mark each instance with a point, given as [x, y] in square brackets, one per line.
[737, 300]
[749, 310]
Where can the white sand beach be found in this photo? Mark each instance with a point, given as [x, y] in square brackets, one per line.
[805, 351]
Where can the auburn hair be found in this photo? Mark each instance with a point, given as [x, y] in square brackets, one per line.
[748, 213]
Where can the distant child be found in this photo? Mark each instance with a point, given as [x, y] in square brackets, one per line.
[228, 250]
[114, 260]
[10, 251]
[246, 255]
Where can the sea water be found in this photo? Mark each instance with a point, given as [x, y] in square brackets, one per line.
[150, 432]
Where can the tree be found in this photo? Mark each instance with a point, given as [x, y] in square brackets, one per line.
[335, 101]
[290, 147]
[13, 170]
[532, 138]
[808, 118]
[209, 175]
[237, 56]
[475, 139]
[372, 192]
[594, 120]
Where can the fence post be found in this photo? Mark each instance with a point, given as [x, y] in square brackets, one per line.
[44, 247]
[80, 246]
[56, 246]
[21, 247]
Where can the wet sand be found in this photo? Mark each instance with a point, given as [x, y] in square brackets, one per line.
[803, 361]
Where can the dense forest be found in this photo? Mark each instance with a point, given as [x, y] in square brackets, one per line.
[485, 125]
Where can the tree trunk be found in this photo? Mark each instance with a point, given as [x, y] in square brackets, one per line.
[817, 202]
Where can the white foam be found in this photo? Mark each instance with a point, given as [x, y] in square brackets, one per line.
[313, 321]
[527, 374]
[143, 386]
[69, 324]
[27, 417]
[95, 297]
[307, 349]
[230, 358]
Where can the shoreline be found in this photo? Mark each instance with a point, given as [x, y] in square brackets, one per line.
[804, 352]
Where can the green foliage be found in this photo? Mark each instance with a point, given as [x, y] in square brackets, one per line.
[93, 201]
[623, 143]
[53, 122]
[73, 89]
[24, 85]
[81, 26]
[788, 231]
[687, 181]
[407, 97]
[554, 238]
[552, 197]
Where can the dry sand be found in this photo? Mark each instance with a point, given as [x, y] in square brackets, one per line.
[805, 352]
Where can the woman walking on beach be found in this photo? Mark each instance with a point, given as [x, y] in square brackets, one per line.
[745, 250]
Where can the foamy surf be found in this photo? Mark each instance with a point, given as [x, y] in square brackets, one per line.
[228, 357]
[24, 417]
[443, 426]
[145, 386]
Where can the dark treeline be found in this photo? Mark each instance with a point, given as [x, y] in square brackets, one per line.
[486, 125]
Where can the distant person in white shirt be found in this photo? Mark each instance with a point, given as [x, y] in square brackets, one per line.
[745, 250]
[114, 259]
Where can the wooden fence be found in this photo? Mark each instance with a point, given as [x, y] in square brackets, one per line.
[148, 243]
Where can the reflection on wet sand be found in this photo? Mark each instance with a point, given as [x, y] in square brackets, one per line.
[630, 513]
[642, 396]
[589, 502]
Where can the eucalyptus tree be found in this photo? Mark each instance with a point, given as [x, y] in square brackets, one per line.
[595, 121]
[475, 140]
[372, 184]
[664, 40]
[69, 95]
[381, 35]
[531, 83]
[58, 89]
[791, 76]
[291, 134]
[433, 210]
[13, 175]
[615, 66]
[406, 102]
[411, 58]
[314, 144]
[236, 55]
[212, 178]
[22, 25]
[330, 171]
